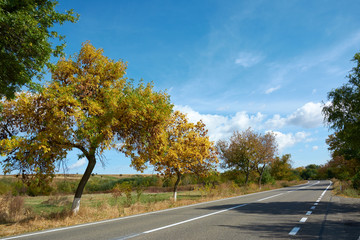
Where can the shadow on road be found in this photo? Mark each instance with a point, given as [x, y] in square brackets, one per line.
[338, 218]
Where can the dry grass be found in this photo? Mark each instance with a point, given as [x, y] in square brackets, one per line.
[97, 207]
[344, 189]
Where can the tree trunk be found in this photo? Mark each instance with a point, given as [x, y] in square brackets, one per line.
[176, 186]
[261, 174]
[247, 177]
[79, 191]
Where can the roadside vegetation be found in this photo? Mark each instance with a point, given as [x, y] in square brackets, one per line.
[111, 196]
[91, 105]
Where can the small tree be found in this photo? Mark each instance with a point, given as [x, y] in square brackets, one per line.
[247, 152]
[89, 105]
[281, 168]
[188, 150]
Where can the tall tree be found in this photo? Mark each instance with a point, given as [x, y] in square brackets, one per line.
[188, 150]
[89, 105]
[25, 43]
[265, 153]
[343, 115]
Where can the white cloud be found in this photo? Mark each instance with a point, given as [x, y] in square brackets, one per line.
[221, 127]
[314, 148]
[289, 139]
[81, 162]
[276, 122]
[307, 116]
[247, 59]
[273, 89]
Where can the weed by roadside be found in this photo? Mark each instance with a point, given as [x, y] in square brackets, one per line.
[345, 188]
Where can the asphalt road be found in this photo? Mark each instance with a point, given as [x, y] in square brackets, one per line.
[302, 212]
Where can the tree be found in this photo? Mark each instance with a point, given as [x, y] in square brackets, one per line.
[89, 105]
[25, 43]
[342, 115]
[310, 172]
[340, 168]
[280, 168]
[188, 150]
[247, 151]
[265, 154]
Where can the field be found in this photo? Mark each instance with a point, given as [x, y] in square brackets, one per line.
[23, 213]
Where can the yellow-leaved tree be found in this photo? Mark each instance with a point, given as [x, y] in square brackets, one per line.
[89, 105]
[188, 150]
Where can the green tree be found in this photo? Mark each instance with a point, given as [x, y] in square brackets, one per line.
[188, 150]
[310, 172]
[247, 152]
[89, 105]
[280, 168]
[25, 43]
[239, 152]
[266, 149]
[342, 115]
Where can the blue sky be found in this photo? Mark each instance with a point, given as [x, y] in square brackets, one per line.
[267, 65]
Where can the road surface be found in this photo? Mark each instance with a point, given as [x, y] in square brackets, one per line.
[306, 211]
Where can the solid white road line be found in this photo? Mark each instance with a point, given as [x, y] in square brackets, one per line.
[149, 213]
[269, 197]
[193, 219]
[294, 231]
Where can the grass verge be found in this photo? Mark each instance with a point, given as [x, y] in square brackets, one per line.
[28, 214]
[344, 189]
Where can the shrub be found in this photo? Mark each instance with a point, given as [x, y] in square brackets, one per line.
[123, 188]
[66, 187]
[12, 209]
[356, 181]
[267, 178]
[5, 187]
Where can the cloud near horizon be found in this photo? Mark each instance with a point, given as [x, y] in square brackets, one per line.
[221, 127]
[81, 162]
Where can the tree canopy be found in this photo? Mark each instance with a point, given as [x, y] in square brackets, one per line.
[247, 152]
[280, 168]
[343, 115]
[188, 150]
[25, 43]
[89, 105]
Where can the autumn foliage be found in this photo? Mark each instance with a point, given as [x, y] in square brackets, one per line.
[89, 105]
[188, 150]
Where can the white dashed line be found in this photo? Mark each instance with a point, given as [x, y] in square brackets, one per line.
[303, 219]
[308, 213]
[294, 231]
[313, 207]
